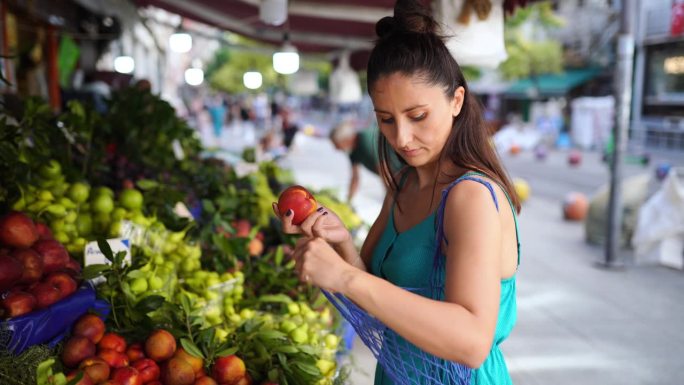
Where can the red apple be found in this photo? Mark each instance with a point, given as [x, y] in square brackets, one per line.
[73, 267]
[91, 327]
[17, 230]
[85, 379]
[112, 341]
[148, 369]
[299, 200]
[177, 372]
[154, 383]
[97, 369]
[228, 370]
[32, 263]
[55, 256]
[135, 352]
[77, 349]
[63, 282]
[46, 294]
[160, 345]
[110, 382]
[255, 247]
[113, 358]
[11, 271]
[18, 303]
[127, 376]
[44, 232]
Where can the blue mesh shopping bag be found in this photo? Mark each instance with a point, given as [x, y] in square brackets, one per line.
[405, 363]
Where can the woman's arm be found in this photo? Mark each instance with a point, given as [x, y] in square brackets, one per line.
[462, 327]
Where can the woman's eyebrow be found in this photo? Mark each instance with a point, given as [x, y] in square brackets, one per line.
[405, 110]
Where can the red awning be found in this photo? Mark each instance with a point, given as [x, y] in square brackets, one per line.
[312, 25]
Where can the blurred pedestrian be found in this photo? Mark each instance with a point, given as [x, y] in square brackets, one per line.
[362, 149]
[448, 221]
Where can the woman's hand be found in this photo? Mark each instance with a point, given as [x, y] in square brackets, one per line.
[317, 263]
[322, 223]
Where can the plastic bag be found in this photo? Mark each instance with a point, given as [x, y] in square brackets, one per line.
[661, 218]
[50, 325]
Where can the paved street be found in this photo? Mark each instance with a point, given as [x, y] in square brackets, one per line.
[577, 324]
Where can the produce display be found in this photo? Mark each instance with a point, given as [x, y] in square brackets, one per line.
[205, 291]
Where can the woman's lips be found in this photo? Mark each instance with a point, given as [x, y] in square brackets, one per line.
[410, 153]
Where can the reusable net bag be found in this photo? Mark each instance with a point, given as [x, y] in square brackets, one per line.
[404, 362]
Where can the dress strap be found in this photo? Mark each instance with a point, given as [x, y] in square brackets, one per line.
[476, 177]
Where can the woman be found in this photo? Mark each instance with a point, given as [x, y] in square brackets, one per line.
[427, 116]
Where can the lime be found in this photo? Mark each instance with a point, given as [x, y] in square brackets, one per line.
[155, 282]
[103, 191]
[139, 285]
[84, 224]
[51, 170]
[79, 192]
[103, 204]
[61, 237]
[45, 195]
[118, 214]
[131, 199]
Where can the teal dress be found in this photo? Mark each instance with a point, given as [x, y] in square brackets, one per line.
[406, 259]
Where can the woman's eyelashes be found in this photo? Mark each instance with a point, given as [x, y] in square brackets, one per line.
[417, 118]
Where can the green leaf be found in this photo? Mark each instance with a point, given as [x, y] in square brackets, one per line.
[105, 249]
[93, 271]
[278, 298]
[208, 206]
[185, 303]
[279, 255]
[191, 348]
[147, 184]
[76, 379]
[307, 349]
[149, 303]
[271, 334]
[227, 351]
[307, 368]
[289, 349]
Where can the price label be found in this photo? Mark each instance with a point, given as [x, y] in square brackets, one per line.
[93, 255]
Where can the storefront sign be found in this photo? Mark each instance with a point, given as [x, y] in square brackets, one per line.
[677, 25]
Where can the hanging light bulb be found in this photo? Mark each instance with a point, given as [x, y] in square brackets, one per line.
[124, 64]
[286, 61]
[194, 76]
[273, 12]
[180, 42]
[252, 79]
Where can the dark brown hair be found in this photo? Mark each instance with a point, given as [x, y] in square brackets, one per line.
[410, 43]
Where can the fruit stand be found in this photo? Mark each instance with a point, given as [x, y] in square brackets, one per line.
[128, 256]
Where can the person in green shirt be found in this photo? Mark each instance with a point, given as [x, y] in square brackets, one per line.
[362, 149]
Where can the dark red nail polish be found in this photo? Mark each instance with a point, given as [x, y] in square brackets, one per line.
[288, 213]
[320, 209]
[325, 213]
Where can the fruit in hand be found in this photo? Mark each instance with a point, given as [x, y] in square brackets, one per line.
[299, 200]
[18, 303]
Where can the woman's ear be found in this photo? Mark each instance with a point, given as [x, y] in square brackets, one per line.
[457, 101]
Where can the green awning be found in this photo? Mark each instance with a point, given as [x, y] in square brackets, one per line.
[551, 84]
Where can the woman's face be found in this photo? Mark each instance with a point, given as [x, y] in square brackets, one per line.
[414, 117]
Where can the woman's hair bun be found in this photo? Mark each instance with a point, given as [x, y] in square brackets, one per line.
[385, 26]
[409, 16]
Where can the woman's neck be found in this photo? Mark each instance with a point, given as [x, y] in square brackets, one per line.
[428, 173]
